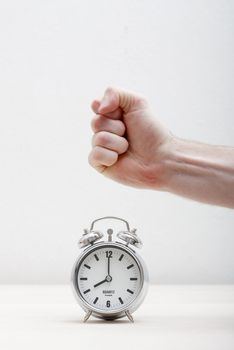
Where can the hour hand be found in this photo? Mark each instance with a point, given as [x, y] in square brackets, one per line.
[99, 283]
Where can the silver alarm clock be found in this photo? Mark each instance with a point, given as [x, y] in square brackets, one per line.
[109, 278]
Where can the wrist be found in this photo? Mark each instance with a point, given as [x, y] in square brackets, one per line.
[176, 156]
[158, 172]
[171, 161]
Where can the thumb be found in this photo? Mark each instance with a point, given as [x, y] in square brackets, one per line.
[114, 98]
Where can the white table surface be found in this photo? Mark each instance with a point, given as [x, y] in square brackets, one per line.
[172, 317]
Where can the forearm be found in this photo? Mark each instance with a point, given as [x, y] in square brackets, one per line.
[201, 172]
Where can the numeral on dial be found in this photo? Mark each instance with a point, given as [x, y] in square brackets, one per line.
[109, 254]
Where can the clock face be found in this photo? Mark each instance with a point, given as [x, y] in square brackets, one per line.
[109, 278]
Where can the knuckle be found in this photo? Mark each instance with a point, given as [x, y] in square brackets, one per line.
[109, 89]
[101, 138]
[95, 123]
[121, 127]
[99, 157]
[114, 158]
[124, 145]
[141, 101]
[94, 156]
[91, 158]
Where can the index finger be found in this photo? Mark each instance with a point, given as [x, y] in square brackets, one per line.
[117, 114]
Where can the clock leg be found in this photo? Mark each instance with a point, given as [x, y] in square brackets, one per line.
[87, 316]
[129, 316]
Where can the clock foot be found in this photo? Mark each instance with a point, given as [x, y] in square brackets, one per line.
[87, 316]
[129, 316]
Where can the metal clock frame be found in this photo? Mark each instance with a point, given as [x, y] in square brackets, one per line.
[124, 310]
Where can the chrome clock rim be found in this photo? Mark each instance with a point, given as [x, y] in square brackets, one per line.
[120, 312]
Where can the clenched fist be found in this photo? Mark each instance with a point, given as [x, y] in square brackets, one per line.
[129, 144]
[132, 147]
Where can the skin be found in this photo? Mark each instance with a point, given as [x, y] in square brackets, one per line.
[131, 146]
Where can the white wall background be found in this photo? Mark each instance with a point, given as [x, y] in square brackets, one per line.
[55, 57]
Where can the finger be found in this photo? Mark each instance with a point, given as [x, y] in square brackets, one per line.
[101, 123]
[116, 114]
[100, 157]
[127, 101]
[110, 141]
[95, 105]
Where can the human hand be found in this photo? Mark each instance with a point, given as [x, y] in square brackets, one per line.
[129, 144]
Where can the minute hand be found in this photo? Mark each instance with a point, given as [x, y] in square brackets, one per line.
[108, 267]
[99, 283]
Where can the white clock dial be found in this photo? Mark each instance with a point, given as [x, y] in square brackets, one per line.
[109, 278]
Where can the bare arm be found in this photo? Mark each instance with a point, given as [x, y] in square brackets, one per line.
[201, 172]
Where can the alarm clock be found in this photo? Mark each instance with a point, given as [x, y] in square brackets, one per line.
[109, 278]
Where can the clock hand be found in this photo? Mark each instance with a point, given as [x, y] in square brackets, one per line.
[108, 267]
[99, 283]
